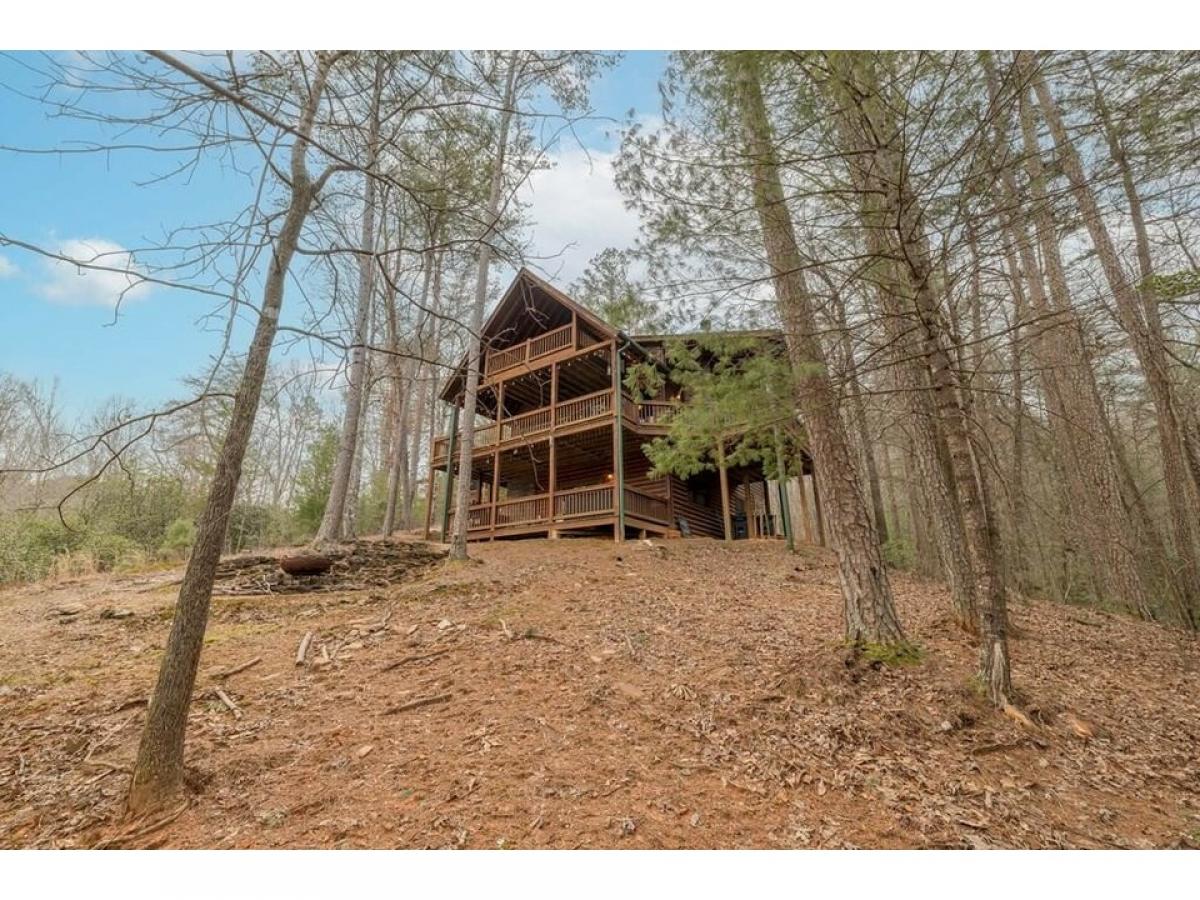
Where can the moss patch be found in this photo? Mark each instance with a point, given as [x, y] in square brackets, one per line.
[903, 654]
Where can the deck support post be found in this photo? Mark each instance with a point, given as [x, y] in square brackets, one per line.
[618, 447]
[553, 397]
[496, 457]
[449, 472]
[495, 490]
[552, 533]
[429, 497]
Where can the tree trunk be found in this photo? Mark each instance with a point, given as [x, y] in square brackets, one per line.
[723, 476]
[427, 395]
[889, 480]
[858, 415]
[158, 772]
[458, 544]
[426, 370]
[1078, 419]
[399, 479]
[332, 522]
[893, 212]
[868, 608]
[1018, 496]
[904, 328]
[354, 482]
[1145, 333]
[397, 463]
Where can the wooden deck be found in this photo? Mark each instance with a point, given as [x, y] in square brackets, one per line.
[536, 350]
[567, 417]
[559, 445]
[582, 507]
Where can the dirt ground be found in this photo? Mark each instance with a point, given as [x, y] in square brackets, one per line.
[589, 694]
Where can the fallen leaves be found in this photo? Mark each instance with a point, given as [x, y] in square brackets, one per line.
[586, 694]
[1082, 729]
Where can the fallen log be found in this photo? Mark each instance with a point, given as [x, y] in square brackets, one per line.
[306, 564]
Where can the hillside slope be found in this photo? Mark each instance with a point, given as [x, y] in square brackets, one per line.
[595, 695]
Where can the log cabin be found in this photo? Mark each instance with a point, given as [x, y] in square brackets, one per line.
[558, 439]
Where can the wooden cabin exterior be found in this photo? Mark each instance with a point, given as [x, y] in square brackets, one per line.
[558, 440]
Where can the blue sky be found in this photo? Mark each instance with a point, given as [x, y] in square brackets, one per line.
[55, 323]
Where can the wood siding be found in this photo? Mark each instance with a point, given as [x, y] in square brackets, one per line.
[702, 519]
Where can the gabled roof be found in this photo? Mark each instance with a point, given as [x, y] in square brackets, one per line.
[580, 310]
[529, 304]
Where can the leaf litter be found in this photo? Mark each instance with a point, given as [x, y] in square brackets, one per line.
[589, 695]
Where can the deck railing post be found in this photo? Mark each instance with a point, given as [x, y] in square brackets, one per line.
[553, 485]
[500, 413]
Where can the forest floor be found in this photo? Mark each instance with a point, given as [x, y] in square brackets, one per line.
[589, 694]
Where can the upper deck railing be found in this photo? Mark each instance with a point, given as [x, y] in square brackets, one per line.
[530, 350]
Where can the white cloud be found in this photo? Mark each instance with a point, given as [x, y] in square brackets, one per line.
[577, 211]
[73, 284]
[8, 268]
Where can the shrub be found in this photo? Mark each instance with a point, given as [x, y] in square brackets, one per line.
[898, 554]
[30, 544]
[140, 510]
[110, 552]
[178, 540]
[315, 477]
[252, 526]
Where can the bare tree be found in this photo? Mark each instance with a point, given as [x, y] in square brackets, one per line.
[158, 772]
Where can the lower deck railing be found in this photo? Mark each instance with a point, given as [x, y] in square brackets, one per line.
[645, 506]
[570, 505]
